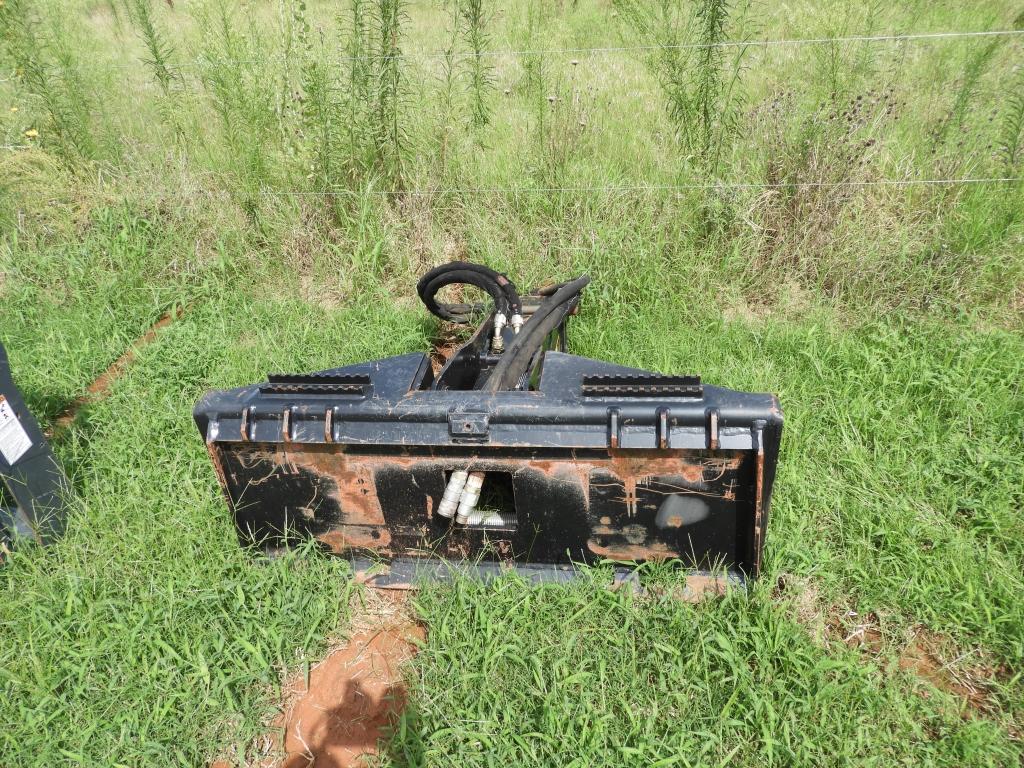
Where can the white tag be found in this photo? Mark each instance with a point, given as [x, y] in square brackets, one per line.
[14, 440]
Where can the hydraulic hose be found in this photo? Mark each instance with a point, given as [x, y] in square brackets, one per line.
[502, 291]
[551, 312]
[463, 490]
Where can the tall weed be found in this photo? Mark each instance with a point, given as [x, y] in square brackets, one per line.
[160, 62]
[955, 118]
[447, 101]
[295, 51]
[1011, 145]
[562, 122]
[843, 67]
[374, 87]
[388, 130]
[234, 75]
[699, 76]
[813, 164]
[323, 121]
[48, 66]
[481, 80]
[159, 49]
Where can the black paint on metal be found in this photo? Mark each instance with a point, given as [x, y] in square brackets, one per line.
[34, 503]
[597, 462]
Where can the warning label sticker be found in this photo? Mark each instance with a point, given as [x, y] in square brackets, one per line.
[14, 440]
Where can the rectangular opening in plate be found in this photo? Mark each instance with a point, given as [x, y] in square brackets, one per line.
[496, 510]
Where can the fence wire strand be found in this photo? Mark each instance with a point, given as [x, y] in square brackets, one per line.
[613, 49]
[511, 191]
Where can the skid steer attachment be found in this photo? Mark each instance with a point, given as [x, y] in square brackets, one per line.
[513, 455]
[34, 489]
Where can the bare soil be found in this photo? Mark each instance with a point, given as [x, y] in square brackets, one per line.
[925, 657]
[352, 699]
[445, 344]
[970, 676]
[102, 385]
[355, 694]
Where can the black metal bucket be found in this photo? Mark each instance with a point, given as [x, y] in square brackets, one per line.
[587, 462]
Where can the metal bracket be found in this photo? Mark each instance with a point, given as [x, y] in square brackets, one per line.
[468, 426]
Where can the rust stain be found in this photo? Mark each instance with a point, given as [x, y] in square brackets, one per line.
[699, 586]
[243, 429]
[638, 467]
[102, 385]
[329, 425]
[629, 487]
[354, 476]
[286, 425]
[345, 537]
[632, 552]
[217, 466]
[758, 504]
[363, 524]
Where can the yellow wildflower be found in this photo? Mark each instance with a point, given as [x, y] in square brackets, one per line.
[31, 133]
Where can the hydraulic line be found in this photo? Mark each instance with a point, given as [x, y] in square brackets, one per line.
[465, 486]
[516, 359]
[502, 291]
[463, 491]
[514, 363]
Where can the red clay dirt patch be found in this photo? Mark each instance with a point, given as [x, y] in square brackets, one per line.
[354, 694]
[923, 656]
[103, 383]
[971, 683]
[972, 677]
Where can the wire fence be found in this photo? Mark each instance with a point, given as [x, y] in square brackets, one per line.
[614, 188]
[912, 37]
[645, 188]
[909, 37]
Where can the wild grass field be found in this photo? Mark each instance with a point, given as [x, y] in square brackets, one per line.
[840, 222]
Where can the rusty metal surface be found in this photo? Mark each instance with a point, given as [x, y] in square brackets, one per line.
[568, 507]
[585, 461]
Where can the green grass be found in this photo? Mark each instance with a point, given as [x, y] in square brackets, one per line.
[583, 676]
[888, 319]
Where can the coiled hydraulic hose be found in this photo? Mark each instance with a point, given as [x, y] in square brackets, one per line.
[506, 297]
